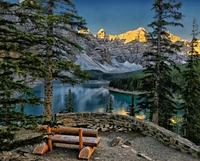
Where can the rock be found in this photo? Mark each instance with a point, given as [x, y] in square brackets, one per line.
[107, 52]
[101, 34]
[103, 129]
[84, 31]
[97, 158]
[120, 130]
[124, 146]
[144, 156]
[134, 151]
[128, 143]
[139, 34]
[144, 133]
[116, 141]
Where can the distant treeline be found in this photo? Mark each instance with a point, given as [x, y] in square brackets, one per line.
[99, 75]
[131, 81]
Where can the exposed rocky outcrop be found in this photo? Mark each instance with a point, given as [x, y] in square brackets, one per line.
[120, 53]
[139, 34]
[197, 47]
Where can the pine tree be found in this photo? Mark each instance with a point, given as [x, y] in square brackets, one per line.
[109, 106]
[61, 21]
[157, 82]
[18, 66]
[69, 104]
[191, 92]
[131, 110]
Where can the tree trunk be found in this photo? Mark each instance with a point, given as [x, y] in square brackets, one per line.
[155, 118]
[48, 96]
[48, 85]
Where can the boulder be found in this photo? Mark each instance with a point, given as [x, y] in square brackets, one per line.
[116, 141]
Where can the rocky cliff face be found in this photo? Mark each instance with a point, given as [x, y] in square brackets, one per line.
[119, 53]
[197, 48]
[139, 34]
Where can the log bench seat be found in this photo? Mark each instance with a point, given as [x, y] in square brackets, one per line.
[68, 135]
[69, 139]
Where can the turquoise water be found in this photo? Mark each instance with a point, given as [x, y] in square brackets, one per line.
[91, 97]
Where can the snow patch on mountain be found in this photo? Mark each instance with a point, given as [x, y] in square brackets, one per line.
[87, 63]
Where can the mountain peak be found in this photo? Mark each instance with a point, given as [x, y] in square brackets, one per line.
[141, 28]
[173, 38]
[101, 34]
[139, 34]
[84, 31]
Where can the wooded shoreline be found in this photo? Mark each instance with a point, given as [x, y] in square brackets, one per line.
[122, 91]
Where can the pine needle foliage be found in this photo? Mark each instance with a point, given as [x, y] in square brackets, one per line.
[19, 65]
[131, 108]
[109, 106]
[69, 103]
[157, 82]
[191, 92]
[61, 27]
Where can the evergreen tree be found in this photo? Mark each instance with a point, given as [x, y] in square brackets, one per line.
[191, 92]
[61, 20]
[109, 106]
[18, 66]
[131, 110]
[157, 82]
[69, 104]
[61, 110]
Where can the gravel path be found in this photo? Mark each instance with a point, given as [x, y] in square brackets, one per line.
[148, 147]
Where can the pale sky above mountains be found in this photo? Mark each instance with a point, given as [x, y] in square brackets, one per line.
[118, 16]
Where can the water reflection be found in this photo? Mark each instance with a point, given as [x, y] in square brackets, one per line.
[91, 97]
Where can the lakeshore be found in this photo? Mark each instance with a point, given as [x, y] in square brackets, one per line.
[122, 91]
[134, 93]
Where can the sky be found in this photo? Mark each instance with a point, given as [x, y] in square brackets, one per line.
[119, 16]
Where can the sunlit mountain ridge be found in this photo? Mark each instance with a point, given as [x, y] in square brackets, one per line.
[139, 34]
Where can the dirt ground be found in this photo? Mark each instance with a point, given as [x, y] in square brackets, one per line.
[140, 148]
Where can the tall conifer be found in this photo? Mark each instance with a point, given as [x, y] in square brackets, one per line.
[19, 65]
[62, 21]
[157, 82]
[191, 92]
[69, 104]
[109, 106]
[131, 109]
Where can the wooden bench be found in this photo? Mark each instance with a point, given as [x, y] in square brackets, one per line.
[87, 139]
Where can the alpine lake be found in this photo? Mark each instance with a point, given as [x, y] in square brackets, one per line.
[88, 97]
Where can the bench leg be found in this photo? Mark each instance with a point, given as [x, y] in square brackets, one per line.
[41, 148]
[49, 139]
[86, 152]
[80, 139]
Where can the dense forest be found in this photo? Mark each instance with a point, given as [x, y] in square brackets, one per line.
[131, 81]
